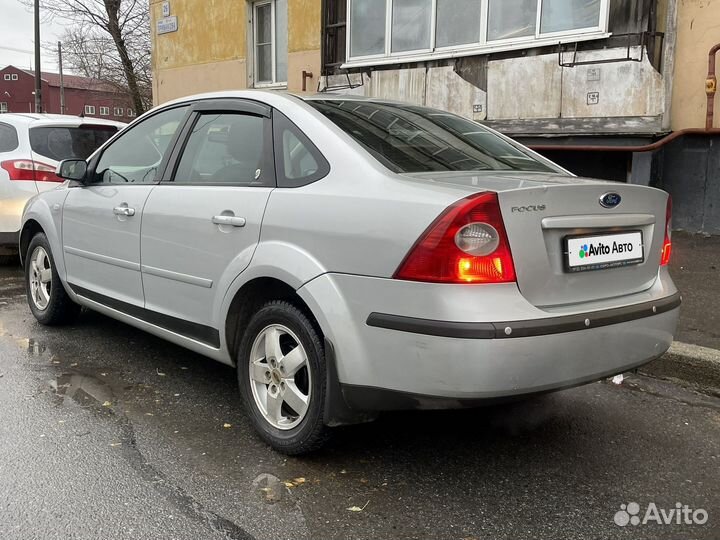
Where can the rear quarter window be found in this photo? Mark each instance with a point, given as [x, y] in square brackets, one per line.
[60, 143]
[8, 138]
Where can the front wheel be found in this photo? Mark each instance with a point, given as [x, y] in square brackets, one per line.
[281, 373]
[48, 301]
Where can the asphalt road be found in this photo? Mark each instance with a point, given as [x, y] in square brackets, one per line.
[107, 432]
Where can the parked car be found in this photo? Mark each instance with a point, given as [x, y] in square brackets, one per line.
[31, 146]
[351, 256]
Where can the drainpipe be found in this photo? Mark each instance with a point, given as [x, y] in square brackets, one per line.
[618, 148]
[711, 86]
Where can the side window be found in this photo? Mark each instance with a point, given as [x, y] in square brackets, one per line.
[297, 161]
[135, 156]
[8, 138]
[226, 148]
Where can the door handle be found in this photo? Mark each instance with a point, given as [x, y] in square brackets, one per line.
[229, 220]
[123, 211]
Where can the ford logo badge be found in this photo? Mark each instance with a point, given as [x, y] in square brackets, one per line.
[610, 200]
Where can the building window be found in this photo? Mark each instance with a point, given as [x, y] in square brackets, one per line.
[130, 113]
[270, 47]
[334, 34]
[3, 107]
[14, 77]
[104, 111]
[392, 31]
[118, 111]
[7, 77]
[89, 109]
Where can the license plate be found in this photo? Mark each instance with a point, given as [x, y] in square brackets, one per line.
[601, 251]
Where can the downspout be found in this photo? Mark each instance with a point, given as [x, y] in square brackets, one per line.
[711, 87]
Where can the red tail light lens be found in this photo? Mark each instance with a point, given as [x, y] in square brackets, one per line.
[667, 244]
[26, 169]
[466, 244]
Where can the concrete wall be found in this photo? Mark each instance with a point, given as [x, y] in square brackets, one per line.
[698, 29]
[209, 52]
[531, 88]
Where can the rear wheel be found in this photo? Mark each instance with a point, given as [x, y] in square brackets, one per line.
[281, 372]
[48, 301]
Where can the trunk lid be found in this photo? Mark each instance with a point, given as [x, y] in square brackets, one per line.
[540, 211]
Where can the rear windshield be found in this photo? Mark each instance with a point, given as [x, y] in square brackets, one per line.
[411, 139]
[60, 143]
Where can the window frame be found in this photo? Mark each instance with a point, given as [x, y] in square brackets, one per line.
[282, 180]
[14, 77]
[3, 107]
[222, 106]
[89, 109]
[273, 44]
[7, 77]
[482, 46]
[162, 167]
[118, 112]
[14, 134]
[106, 109]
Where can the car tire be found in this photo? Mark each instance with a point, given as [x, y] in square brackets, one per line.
[48, 300]
[281, 359]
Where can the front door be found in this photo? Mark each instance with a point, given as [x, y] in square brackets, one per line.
[102, 219]
[201, 226]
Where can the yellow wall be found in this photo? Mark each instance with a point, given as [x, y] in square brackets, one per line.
[209, 50]
[698, 29]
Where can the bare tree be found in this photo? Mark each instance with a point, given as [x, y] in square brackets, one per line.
[109, 40]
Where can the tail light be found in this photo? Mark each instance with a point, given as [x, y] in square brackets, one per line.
[467, 243]
[27, 169]
[667, 244]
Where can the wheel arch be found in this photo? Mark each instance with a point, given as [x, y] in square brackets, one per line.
[249, 297]
[30, 228]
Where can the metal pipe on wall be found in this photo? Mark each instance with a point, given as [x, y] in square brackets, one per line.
[711, 86]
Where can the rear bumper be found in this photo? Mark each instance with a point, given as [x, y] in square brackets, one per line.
[387, 361]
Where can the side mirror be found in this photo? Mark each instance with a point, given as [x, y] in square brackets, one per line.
[72, 169]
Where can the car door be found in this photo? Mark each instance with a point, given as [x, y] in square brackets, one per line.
[202, 222]
[102, 217]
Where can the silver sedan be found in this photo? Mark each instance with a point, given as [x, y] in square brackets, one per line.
[350, 256]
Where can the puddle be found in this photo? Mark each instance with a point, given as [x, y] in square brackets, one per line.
[270, 488]
[82, 389]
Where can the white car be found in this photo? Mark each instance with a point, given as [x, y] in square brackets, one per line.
[31, 146]
[351, 256]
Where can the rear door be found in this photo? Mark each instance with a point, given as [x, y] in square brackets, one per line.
[101, 219]
[201, 224]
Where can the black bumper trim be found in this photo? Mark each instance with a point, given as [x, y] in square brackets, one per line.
[198, 332]
[517, 329]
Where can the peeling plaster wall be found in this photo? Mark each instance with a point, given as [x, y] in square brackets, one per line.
[532, 87]
[698, 29]
[209, 51]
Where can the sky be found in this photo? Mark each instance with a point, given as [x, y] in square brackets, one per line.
[16, 32]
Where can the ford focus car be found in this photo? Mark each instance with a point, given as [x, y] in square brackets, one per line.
[350, 256]
[31, 145]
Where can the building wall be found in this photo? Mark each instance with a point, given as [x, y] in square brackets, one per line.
[19, 95]
[22, 100]
[209, 52]
[698, 29]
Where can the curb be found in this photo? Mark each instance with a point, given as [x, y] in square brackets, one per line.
[690, 363]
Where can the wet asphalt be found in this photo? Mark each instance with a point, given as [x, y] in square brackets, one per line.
[107, 432]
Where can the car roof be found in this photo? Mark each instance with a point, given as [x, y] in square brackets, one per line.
[37, 119]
